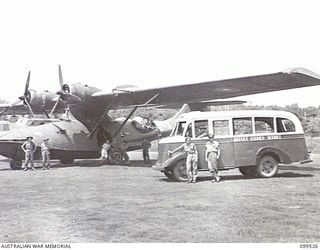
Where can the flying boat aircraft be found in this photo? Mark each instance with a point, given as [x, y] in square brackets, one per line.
[89, 125]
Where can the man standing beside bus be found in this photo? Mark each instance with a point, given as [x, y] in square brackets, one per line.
[212, 157]
[192, 159]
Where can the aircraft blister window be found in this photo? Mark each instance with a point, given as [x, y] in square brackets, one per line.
[144, 125]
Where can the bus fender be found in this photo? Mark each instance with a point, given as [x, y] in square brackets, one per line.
[171, 161]
[277, 153]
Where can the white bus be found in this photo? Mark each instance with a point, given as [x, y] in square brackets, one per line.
[255, 141]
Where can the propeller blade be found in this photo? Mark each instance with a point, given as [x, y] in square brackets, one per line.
[27, 84]
[29, 107]
[60, 77]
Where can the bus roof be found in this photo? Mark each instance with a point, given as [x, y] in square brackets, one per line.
[235, 113]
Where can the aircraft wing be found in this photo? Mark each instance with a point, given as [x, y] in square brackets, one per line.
[221, 89]
[18, 109]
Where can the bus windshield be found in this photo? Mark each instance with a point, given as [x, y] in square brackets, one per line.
[178, 129]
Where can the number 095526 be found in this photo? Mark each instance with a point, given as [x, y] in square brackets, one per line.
[309, 246]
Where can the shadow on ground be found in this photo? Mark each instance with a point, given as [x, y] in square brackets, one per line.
[241, 177]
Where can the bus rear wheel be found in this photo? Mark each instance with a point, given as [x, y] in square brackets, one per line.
[267, 166]
[180, 171]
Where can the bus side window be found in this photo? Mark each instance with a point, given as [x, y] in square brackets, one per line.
[221, 127]
[285, 125]
[242, 126]
[263, 125]
[201, 128]
[189, 130]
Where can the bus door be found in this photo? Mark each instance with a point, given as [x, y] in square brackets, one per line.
[222, 131]
[200, 138]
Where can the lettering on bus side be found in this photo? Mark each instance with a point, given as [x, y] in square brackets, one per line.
[257, 138]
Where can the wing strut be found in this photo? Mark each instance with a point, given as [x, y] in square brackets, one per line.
[131, 113]
[102, 117]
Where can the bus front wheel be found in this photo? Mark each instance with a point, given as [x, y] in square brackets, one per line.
[15, 164]
[168, 174]
[267, 166]
[180, 171]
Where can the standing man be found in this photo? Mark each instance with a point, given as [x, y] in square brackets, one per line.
[66, 115]
[192, 159]
[29, 148]
[212, 157]
[104, 151]
[145, 150]
[123, 148]
[45, 154]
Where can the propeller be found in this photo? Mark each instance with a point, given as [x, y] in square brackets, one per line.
[26, 97]
[64, 93]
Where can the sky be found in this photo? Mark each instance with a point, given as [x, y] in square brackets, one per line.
[150, 43]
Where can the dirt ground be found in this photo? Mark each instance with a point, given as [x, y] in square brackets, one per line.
[85, 202]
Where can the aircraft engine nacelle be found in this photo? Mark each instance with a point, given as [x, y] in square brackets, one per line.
[40, 100]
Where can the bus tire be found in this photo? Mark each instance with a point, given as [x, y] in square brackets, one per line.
[180, 171]
[267, 166]
[15, 164]
[169, 174]
[247, 171]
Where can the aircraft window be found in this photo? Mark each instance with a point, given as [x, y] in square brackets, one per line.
[263, 125]
[189, 130]
[285, 125]
[242, 126]
[201, 129]
[144, 125]
[221, 127]
[180, 128]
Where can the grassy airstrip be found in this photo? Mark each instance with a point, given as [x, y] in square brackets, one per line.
[85, 202]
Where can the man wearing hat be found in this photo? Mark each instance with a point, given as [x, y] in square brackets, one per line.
[29, 148]
[66, 115]
[45, 154]
[212, 157]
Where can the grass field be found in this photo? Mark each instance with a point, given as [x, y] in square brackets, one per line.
[90, 203]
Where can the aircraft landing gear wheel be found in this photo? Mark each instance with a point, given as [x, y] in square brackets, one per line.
[168, 174]
[115, 157]
[247, 171]
[267, 166]
[15, 164]
[67, 161]
[180, 171]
